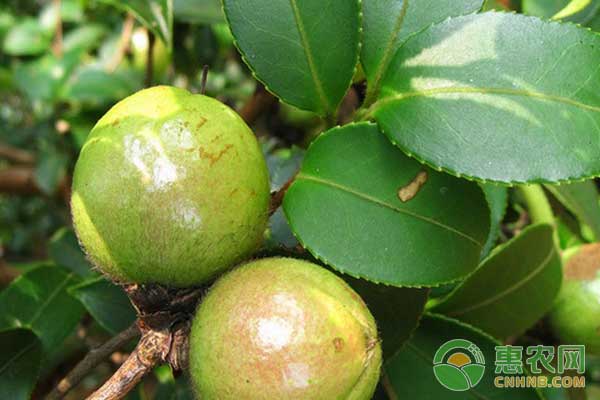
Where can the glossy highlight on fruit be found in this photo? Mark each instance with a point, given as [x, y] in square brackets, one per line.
[575, 317]
[169, 188]
[280, 328]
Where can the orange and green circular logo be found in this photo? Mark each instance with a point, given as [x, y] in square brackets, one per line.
[459, 365]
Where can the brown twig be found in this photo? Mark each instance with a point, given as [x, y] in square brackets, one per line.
[150, 60]
[20, 180]
[91, 361]
[16, 155]
[151, 350]
[204, 78]
[260, 101]
[277, 197]
[57, 45]
[124, 41]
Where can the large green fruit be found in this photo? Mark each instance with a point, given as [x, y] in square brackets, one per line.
[169, 188]
[281, 328]
[575, 318]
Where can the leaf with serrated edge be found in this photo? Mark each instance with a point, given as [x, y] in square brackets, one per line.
[305, 52]
[345, 208]
[498, 97]
[388, 23]
[409, 375]
[513, 288]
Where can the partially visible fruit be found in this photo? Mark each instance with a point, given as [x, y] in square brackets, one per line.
[139, 49]
[281, 328]
[575, 318]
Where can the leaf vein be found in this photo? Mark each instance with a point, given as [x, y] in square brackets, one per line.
[381, 203]
[481, 90]
[508, 290]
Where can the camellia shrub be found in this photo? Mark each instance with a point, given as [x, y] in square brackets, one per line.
[301, 199]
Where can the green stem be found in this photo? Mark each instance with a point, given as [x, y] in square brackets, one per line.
[537, 203]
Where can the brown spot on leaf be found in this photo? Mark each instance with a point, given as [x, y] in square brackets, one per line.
[585, 264]
[338, 344]
[408, 192]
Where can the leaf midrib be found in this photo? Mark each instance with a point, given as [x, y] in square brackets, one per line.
[508, 290]
[54, 293]
[480, 90]
[382, 203]
[309, 57]
[375, 86]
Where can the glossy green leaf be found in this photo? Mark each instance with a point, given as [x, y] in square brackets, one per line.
[581, 198]
[156, 15]
[409, 375]
[303, 51]
[513, 288]
[388, 23]
[107, 303]
[198, 11]
[20, 357]
[345, 208]
[26, 39]
[65, 251]
[497, 198]
[485, 96]
[396, 310]
[39, 300]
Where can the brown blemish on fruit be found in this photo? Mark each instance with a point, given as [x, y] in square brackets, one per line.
[212, 157]
[584, 265]
[338, 344]
[201, 122]
[408, 192]
[115, 122]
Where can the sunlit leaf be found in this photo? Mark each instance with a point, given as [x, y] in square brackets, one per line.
[485, 96]
[388, 23]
